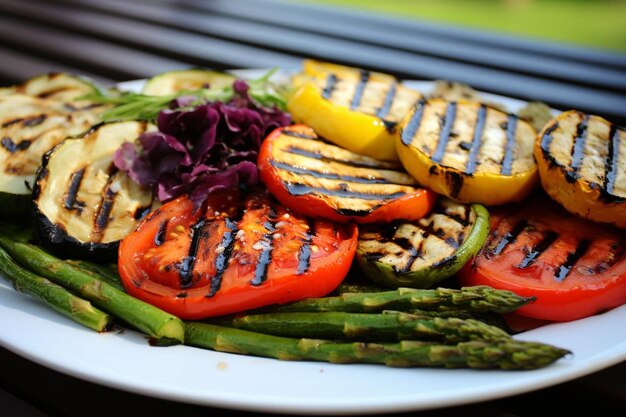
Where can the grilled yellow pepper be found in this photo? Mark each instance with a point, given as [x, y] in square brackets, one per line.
[353, 108]
[468, 151]
[582, 165]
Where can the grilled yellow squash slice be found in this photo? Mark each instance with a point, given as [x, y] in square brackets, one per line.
[191, 79]
[582, 165]
[58, 86]
[468, 151]
[355, 109]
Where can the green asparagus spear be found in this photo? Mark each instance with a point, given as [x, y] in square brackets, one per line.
[54, 296]
[391, 326]
[103, 272]
[162, 327]
[492, 319]
[504, 353]
[475, 299]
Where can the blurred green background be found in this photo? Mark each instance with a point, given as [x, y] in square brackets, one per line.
[593, 23]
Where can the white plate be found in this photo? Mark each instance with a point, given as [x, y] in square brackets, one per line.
[123, 359]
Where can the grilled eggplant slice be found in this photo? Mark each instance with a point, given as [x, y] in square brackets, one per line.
[191, 79]
[353, 108]
[29, 127]
[82, 204]
[469, 151]
[57, 86]
[421, 254]
[319, 179]
[582, 165]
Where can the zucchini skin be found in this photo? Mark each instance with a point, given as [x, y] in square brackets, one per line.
[384, 274]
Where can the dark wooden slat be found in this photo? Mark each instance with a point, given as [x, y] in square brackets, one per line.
[92, 55]
[16, 66]
[399, 62]
[176, 44]
[218, 22]
[377, 23]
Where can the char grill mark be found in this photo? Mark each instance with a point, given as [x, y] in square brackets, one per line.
[267, 247]
[159, 237]
[328, 175]
[446, 130]
[331, 82]
[304, 255]
[563, 270]
[538, 249]
[507, 160]
[186, 266]
[578, 147]
[612, 161]
[509, 237]
[386, 107]
[12, 147]
[477, 141]
[317, 155]
[296, 134]
[221, 261]
[303, 189]
[413, 126]
[70, 201]
[358, 91]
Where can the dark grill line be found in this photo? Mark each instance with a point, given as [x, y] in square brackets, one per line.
[546, 141]
[460, 220]
[612, 161]
[12, 147]
[477, 141]
[296, 134]
[70, 197]
[12, 122]
[510, 237]
[260, 273]
[34, 121]
[563, 270]
[159, 237]
[386, 107]
[331, 81]
[316, 155]
[507, 160]
[538, 249]
[103, 215]
[414, 253]
[303, 189]
[445, 133]
[304, 254]
[413, 126]
[221, 261]
[578, 146]
[329, 175]
[358, 90]
[185, 267]
[49, 93]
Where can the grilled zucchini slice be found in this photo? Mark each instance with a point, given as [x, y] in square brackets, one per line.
[421, 254]
[319, 179]
[582, 165]
[355, 109]
[58, 86]
[82, 204]
[191, 79]
[29, 127]
[469, 151]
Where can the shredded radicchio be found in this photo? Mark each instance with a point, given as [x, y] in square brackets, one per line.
[197, 151]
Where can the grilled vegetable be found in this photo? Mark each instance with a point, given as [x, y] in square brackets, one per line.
[162, 328]
[355, 109]
[232, 256]
[318, 179]
[574, 267]
[61, 87]
[504, 353]
[29, 127]
[191, 79]
[425, 252]
[469, 151]
[582, 165]
[82, 204]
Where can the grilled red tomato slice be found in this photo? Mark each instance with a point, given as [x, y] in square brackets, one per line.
[575, 268]
[239, 254]
[318, 179]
